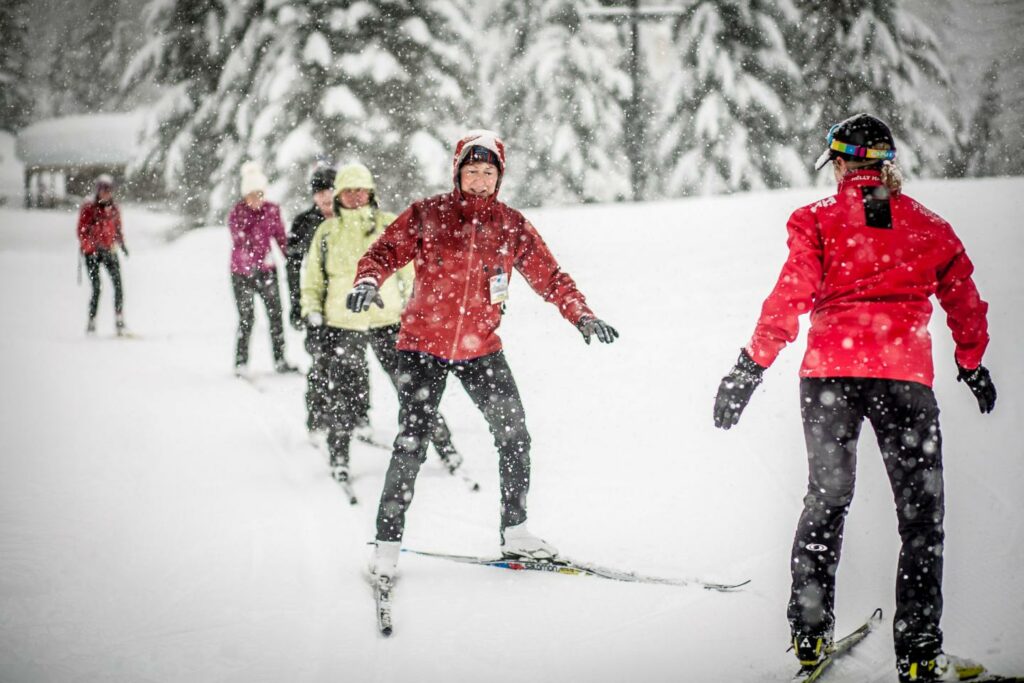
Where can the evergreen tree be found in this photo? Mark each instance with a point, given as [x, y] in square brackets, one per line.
[985, 151]
[84, 74]
[381, 83]
[726, 119]
[873, 56]
[559, 93]
[191, 40]
[15, 95]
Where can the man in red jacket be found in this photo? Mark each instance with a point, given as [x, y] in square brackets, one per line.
[465, 245]
[864, 263]
[99, 233]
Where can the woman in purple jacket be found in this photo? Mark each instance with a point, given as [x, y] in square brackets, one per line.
[254, 223]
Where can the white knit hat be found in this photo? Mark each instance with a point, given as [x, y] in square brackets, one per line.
[253, 179]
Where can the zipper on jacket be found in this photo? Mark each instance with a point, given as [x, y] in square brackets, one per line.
[465, 290]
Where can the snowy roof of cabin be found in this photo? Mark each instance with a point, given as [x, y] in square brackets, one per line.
[91, 139]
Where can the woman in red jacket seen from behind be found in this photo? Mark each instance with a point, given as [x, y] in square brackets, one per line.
[465, 245]
[864, 264]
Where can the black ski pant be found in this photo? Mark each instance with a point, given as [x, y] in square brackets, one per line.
[262, 283]
[344, 388]
[108, 259]
[383, 341]
[320, 389]
[490, 385]
[905, 418]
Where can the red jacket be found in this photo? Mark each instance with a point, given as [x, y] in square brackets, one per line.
[457, 244]
[864, 264]
[99, 227]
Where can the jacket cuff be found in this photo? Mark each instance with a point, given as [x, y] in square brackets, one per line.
[748, 364]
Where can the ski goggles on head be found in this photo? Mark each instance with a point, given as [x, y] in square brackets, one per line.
[838, 147]
[863, 152]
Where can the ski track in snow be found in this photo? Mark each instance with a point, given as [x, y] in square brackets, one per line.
[162, 521]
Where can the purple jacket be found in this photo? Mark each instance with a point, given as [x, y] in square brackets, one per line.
[251, 233]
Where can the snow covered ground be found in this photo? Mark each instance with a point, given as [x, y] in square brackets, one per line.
[163, 521]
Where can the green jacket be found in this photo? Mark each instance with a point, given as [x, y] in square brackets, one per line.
[343, 241]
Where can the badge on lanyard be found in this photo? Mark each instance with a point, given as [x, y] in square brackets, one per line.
[499, 287]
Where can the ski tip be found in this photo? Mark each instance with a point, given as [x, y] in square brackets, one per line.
[353, 501]
[475, 487]
[724, 587]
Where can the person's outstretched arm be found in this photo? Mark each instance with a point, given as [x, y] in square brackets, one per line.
[539, 268]
[793, 295]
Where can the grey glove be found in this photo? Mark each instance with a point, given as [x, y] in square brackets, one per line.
[590, 327]
[361, 296]
[735, 390]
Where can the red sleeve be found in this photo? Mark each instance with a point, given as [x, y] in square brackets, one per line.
[395, 247]
[84, 222]
[966, 312]
[538, 266]
[794, 292]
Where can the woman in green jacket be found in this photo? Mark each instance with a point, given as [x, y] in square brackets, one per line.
[336, 337]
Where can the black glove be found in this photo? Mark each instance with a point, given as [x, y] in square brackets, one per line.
[735, 390]
[314, 334]
[589, 327]
[124, 250]
[295, 318]
[361, 296]
[980, 383]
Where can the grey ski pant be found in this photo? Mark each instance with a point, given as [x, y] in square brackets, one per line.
[905, 418]
[490, 385]
[246, 288]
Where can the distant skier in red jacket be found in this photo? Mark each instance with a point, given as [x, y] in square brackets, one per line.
[465, 245]
[864, 263]
[99, 235]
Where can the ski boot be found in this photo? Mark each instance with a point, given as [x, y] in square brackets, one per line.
[518, 543]
[811, 648]
[363, 431]
[450, 457]
[90, 327]
[942, 667]
[282, 367]
[339, 469]
[119, 325]
[384, 559]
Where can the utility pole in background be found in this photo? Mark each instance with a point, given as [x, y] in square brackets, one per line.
[635, 133]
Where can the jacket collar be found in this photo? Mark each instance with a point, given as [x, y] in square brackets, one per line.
[470, 207]
[860, 177]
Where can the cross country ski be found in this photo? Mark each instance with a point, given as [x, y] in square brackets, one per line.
[841, 647]
[382, 596]
[561, 565]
